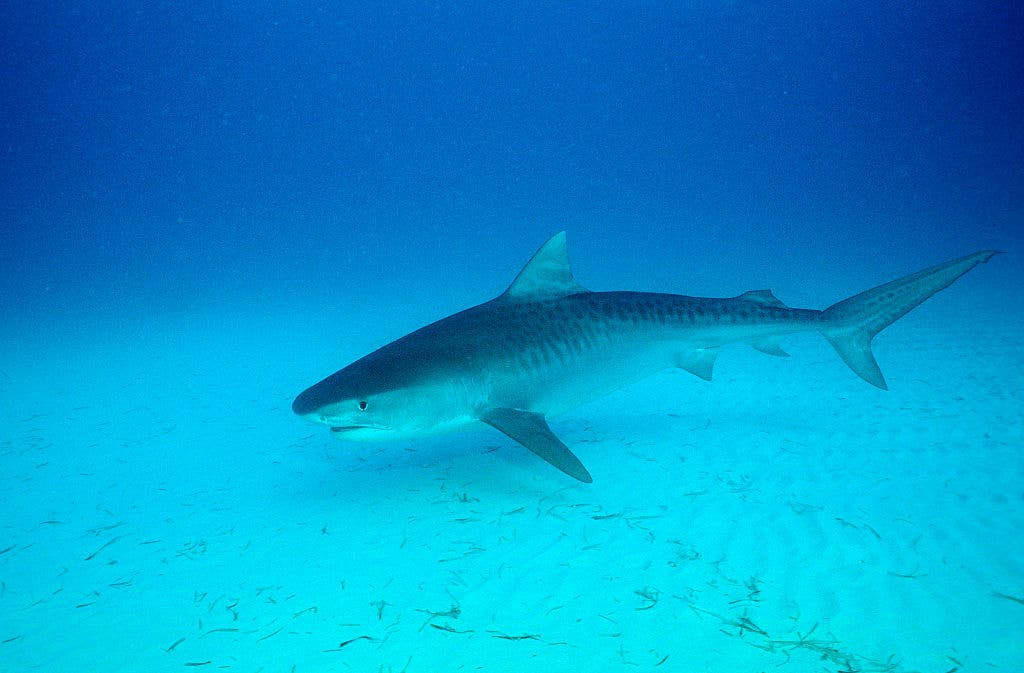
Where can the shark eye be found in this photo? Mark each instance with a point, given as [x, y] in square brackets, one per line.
[362, 405]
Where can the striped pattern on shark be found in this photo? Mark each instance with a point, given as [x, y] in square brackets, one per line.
[548, 345]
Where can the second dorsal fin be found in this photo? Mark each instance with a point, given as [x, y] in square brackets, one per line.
[763, 297]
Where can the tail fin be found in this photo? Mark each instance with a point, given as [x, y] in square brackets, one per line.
[851, 324]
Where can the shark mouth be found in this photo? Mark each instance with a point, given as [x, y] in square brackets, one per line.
[339, 429]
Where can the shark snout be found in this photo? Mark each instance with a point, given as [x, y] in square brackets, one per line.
[307, 402]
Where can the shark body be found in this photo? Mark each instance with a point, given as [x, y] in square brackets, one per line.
[548, 345]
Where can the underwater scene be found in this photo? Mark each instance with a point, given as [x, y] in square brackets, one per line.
[412, 337]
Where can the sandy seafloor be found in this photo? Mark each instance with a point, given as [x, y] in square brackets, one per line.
[165, 511]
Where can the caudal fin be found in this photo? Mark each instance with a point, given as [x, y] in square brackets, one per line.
[851, 324]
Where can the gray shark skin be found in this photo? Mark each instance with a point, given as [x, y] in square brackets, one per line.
[548, 345]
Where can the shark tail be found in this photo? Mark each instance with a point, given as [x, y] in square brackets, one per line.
[851, 324]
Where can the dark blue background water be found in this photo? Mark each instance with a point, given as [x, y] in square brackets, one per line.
[157, 155]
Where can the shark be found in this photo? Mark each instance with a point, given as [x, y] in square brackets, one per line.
[547, 345]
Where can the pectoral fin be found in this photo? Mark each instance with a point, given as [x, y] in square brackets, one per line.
[532, 431]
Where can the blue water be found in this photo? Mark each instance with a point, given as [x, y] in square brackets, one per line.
[204, 209]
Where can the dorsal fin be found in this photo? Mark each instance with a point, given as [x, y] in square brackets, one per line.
[764, 297]
[547, 275]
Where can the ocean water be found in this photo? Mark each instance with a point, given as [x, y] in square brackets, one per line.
[206, 208]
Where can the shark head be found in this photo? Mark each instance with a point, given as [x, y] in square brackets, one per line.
[385, 395]
[390, 414]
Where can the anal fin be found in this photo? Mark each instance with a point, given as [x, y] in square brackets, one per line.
[532, 431]
[770, 347]
[699, 362]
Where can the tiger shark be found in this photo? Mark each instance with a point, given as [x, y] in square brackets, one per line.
[548, 345]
